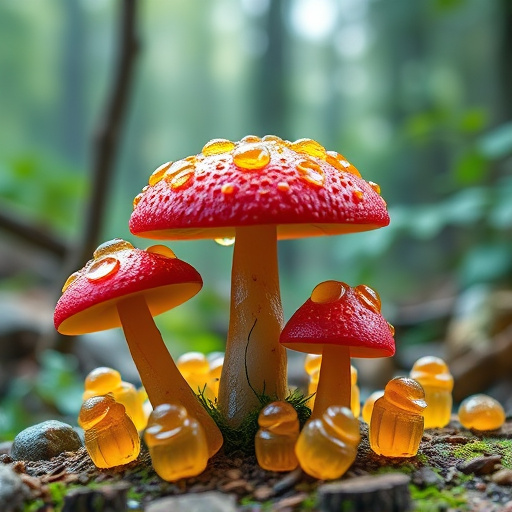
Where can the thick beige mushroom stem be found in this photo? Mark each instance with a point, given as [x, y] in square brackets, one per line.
[161, 378]
[254, 361]
[334, 381]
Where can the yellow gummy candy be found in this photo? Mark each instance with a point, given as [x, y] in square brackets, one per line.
[396, 425]
[176, 443]
[276, 437]
[111, 438]
[481, 412]
[437, 382]
[104, 380]
[327, 446]
[369, 403]
[195, 369]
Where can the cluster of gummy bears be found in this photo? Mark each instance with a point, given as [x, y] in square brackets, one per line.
[114, 412]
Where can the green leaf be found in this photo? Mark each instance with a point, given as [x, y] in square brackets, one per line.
[497, 143]
[470, 168]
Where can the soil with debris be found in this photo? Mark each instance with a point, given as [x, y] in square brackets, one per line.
[455, 469]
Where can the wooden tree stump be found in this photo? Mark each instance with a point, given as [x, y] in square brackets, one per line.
[385, 493]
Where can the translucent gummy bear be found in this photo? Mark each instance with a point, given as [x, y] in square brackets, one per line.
[327, 446]
[216, 365]
[111, 438]
[368, 405]
[481, 412]
[176, 443]
[396, 425]
[312, 365]
[195, 368]
[104, 380]
[276, 437]
[437, 382]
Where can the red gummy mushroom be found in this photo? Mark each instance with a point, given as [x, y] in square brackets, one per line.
[257, 191]
[339, 322]
[126, 287]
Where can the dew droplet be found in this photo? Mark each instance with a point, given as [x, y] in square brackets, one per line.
[375, 186]
[310, 147]
[328, 291]
[102, 268]
[176, 168]
[158, 173]
[251, 156]
[162, 250]
[391, 329]
[226, 241]
[332, 159]
[227, 189]
[272, 138]
[283, 186]
[111, 247]
[136, 200]
[71, 279]
[368, 297]
[311, 172]
[250, 139]
[181, 179]
[357, 195]
[217, 146]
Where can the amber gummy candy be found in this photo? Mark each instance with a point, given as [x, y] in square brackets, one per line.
[176, 442]
[276, 437]
[481, 412]
[437, 382]
[111, 438]
[327, 446]
[396, 425]
[367, 410]
[104, 380]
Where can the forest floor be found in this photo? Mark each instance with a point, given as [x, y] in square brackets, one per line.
[455, 469]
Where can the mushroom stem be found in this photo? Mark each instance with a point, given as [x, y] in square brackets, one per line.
[255, 362]
[334, 381]
[160, 377]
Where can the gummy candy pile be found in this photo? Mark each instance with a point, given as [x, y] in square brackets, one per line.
[114, 414]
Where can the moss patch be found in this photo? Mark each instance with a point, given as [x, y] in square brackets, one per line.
[486, 446]
[242, 438]
[432, 499]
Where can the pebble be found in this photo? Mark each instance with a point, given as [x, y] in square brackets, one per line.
[12, 490]
[208, 501]
[44, 441]
[425, 477]
[480, 465]
[503, 477]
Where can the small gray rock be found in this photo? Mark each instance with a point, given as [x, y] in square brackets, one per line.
[13, 491]
[44, 441]
[211, 501]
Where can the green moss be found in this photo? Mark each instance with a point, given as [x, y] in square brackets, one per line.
[486, 446]
[242, 438]
[432, 499]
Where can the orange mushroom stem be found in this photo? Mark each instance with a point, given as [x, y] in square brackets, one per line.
[334, 382]
[255, 362]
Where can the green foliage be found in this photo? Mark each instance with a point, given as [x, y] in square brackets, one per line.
[42, 188]
[56, 390]
[432, 499]
[486, 446]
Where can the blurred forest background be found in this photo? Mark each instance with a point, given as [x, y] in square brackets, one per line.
[418, 95]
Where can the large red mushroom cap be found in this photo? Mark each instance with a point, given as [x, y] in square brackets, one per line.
[90, 296]
[298, 186]
[337, 314]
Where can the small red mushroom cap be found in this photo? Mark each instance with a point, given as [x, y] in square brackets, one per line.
[337, 314]
[118, 269]
[298, 186]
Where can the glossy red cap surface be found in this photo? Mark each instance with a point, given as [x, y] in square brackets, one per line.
[300, 187]
[89, 298]
[351, 317]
